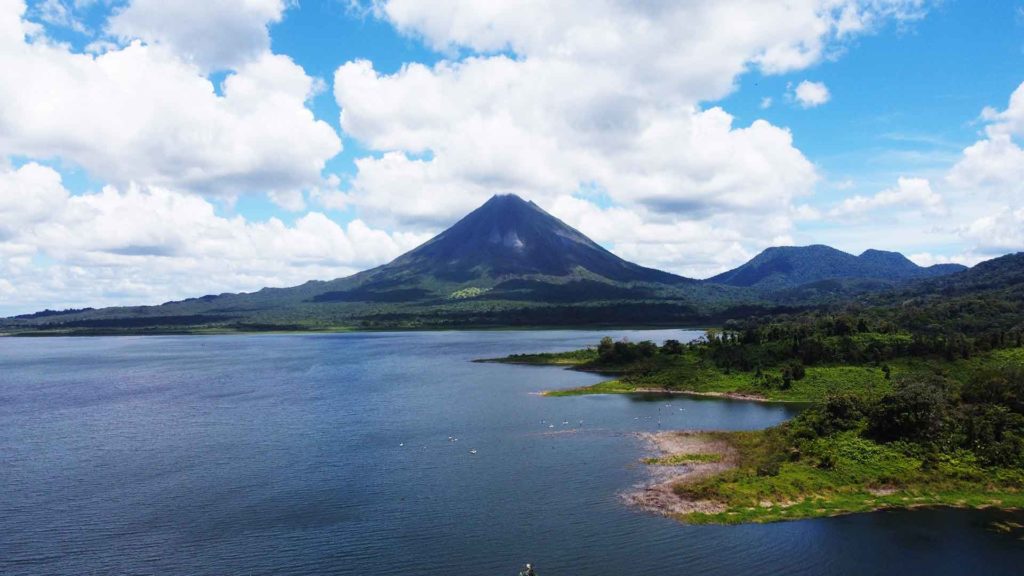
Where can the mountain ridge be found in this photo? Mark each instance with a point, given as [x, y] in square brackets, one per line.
[782, 267]
[506, 263]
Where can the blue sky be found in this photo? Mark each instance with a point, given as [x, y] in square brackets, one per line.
[683, 146]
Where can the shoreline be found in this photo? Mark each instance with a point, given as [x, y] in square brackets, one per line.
[658, 495]
[707, 454]
[736, 396]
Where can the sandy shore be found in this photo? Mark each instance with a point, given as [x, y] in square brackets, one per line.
[657, 495]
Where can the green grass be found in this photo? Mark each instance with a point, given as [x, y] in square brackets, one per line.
[842, 474]
[680, 459]
[606, 387]
[687, 373]
[572, 358]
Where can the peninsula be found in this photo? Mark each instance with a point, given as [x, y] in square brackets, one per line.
[919, 403]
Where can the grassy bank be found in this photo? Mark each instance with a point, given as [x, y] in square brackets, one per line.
[775, 480]
[571, 358]
[688, 372]
[890, 424]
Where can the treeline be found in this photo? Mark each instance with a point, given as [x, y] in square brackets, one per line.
[611, 352]
[952, 317]
[840, 338]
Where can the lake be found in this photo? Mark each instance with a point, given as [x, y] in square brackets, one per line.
[351, 454]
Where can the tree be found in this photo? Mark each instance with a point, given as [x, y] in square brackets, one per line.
[915, 411]
[671, 347]
[646, 348]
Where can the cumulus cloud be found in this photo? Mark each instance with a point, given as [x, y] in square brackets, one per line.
[995, 164]
[693, 248]
[929, 259]
[997, 233]
[215, 34]
[988, 182]
[909, 193]
[57, 13]
[151, 244]
[697, 48]
[811, 94]
[143, 114]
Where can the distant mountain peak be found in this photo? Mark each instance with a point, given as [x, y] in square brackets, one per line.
[887, 258]
[789, 266]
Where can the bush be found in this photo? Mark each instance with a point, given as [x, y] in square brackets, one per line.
[838, 413]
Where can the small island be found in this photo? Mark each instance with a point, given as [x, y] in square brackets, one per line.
[894, 418]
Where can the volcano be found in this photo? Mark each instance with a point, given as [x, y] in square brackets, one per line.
[508, 236]
[507, 256]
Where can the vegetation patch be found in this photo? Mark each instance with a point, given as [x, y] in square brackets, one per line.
[897, 418]
[927, 442]
[606, 387]
[683, 459]
[471, 292]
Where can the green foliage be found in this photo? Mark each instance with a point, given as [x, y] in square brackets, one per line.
[681, 459]
[929, 440]
[470, 292]
[572, 358]
[916, 411]
[624, 351]
[671, 347]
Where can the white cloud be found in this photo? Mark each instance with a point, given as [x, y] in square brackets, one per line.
[142, 114]
[909, 193]
[58, 13]
[811, 94]
[1009, 121]
[766, 103]
[27, 196]
[981, 199]
[929, 259]
[806, 212]
[988, 182]
[150, 244]
[995, 164]
[215, 34]
[693, 48]
[693, 248]
[574, 109]
[997, 233]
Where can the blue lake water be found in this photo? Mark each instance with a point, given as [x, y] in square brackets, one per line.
[330, 454]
